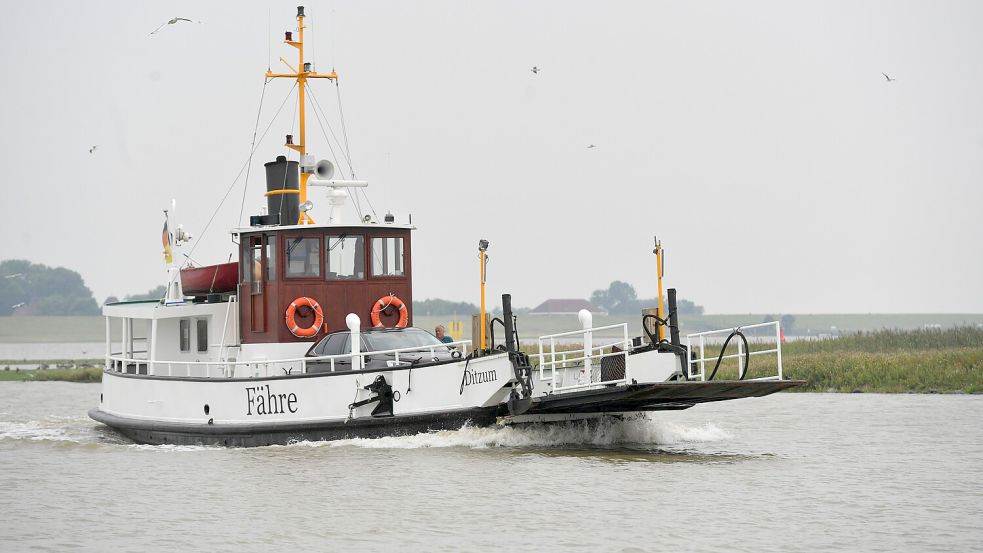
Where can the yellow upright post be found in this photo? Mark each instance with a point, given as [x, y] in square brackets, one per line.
[659, 269]
[301, 81]
[483, 259]
[301, 74]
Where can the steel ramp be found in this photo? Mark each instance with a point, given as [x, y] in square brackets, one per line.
[662, 396]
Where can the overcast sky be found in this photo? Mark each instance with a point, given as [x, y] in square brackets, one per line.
[758, 140]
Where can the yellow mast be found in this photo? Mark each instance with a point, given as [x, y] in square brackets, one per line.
[483, 259]
[659, 267]
[301, 74]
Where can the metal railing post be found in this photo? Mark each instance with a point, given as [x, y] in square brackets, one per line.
[586, 321]
[703, 361]
[354, 325]
[625, 352]
[553, 357]
[740, 362]
[778, 346]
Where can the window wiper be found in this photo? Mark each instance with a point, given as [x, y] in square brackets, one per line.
[293, 245]
[340, 240]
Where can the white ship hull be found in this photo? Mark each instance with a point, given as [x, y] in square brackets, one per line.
[263, 411]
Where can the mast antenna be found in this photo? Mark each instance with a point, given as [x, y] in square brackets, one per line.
[303, 72]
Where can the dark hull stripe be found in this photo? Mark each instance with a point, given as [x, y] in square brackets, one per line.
[158, 433]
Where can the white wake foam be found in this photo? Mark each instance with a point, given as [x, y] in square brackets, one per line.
[640, 431]
[55, 429]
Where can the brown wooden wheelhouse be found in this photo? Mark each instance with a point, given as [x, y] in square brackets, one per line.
[345, 269]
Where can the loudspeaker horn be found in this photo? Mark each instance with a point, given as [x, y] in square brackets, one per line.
[324, 169]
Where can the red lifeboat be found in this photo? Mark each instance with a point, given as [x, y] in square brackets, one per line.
[211, 279]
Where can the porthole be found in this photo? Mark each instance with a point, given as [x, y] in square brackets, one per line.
[207, 409]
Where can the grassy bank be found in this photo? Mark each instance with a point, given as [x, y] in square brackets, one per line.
[93, 329]
[53, 329]
[83, 374]
[891, 361]
[887, 361]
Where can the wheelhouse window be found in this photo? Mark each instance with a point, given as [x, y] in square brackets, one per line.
[345, 257]
[184, 333]
[202, 325]
[252, 270]
[387, 256]
[303, 257]
[271, 258]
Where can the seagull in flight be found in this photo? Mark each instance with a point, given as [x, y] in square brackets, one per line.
[535, 69]
[889, 79]
[92, 150]
[21, 304]
[173, 21]
[591, 146]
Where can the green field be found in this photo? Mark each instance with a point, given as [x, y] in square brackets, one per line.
[52, 329]
[81, 374]
[533, 326]
[887, 361]
[92, 329]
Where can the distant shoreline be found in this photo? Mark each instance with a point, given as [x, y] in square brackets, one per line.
[77, 329]
[928, 360]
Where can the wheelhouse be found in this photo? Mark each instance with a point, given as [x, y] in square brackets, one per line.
[345, 269]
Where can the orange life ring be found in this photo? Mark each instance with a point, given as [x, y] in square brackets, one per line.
[292, 322]
[385, 301]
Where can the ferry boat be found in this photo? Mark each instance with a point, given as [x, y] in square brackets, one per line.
[309, 336]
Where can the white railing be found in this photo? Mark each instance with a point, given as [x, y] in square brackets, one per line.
[719, 336]
[263, 367]
[223, 351]
[585, 358]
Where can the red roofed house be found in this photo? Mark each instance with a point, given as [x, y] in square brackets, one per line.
[566, 307]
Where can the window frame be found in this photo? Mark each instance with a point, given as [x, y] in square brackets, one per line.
[403, 255]
[345, 235]
[184, 335]
[286, 256]
[201, 325]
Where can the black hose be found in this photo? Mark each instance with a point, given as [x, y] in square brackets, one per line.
[747, 355]
[491, 330]
[652, 338]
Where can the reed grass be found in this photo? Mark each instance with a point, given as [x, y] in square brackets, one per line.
[884, 361]
[83, 374]
[893, 341]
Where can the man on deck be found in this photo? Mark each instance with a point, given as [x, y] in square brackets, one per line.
[439, 333]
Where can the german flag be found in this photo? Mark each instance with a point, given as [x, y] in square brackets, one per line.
[166, 239]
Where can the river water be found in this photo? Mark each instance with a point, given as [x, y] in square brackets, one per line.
[790, 472]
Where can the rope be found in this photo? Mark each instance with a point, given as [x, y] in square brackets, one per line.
[344, 132]
[286, 170]
[344, 129]
[348, 152]
[313, 37]
[348, 160]
[334, 156]
[252, 148]
[243, 168]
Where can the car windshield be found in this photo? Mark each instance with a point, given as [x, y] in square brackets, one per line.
[407, 338]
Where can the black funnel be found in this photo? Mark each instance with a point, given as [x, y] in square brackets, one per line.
[283, 178]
